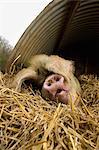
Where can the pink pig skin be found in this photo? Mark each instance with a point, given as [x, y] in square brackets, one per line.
[56, 88]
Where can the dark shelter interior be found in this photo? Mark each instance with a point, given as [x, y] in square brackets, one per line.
[84, 52]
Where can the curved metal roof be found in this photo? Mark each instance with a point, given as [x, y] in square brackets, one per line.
[61, 23]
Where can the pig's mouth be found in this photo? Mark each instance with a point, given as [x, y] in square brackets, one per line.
[62, 95]
[59, 91]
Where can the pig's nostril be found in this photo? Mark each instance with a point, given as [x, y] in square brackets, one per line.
[59, 90]
[56, 78]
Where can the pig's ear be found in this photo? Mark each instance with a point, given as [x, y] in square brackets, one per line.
[69, 67]
[69, 70]
[72, 66]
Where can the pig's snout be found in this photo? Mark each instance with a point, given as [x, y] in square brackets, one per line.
[55, 89]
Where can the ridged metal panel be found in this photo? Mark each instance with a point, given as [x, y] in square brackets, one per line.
[85, 21]
[60, 23]
[44, 32]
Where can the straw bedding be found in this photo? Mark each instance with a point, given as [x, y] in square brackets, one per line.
[28, 122]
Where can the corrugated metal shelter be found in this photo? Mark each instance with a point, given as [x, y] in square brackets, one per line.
[65, 27]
